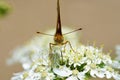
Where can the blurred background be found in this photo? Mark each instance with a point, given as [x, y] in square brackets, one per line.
[100, 20]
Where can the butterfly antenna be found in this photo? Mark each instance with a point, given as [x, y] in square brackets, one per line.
[73, 31]
[58, 26]
[44, 33]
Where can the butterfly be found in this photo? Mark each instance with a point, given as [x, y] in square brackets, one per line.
[58, 36]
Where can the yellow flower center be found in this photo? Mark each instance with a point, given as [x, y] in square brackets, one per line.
[110, 69]
[25, 75]
[40, 60]
[39, 69]
[100, 55]
[77, 58]
[93, 66]
[75, 72]
[44, 74]
[89, 54]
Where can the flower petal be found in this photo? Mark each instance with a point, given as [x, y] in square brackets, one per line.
[63, 72]
[72, 78]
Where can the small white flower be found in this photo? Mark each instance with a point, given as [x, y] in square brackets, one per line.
[24, 55]
[116, 76]
[72, 78]
[116, 64]
[17, 76]
[33, 76]
[76, 75]
[118, 52]
[62, 71]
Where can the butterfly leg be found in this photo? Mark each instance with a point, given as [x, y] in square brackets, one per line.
[70, 46]
[50, 50]
[52, 56]
[62, 58]
[64, 47]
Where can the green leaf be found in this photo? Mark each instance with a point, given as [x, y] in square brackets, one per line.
[61, 62]
[72, 67]
[67, 63]
[101, 65]
[57, 78]
[88, 75]
[81, 68]
[4, 9]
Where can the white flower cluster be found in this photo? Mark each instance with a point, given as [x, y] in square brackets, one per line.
[116, 62]
[118, 52]
[63, 63]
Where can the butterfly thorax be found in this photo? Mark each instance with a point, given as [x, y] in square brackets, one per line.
[58, 38]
